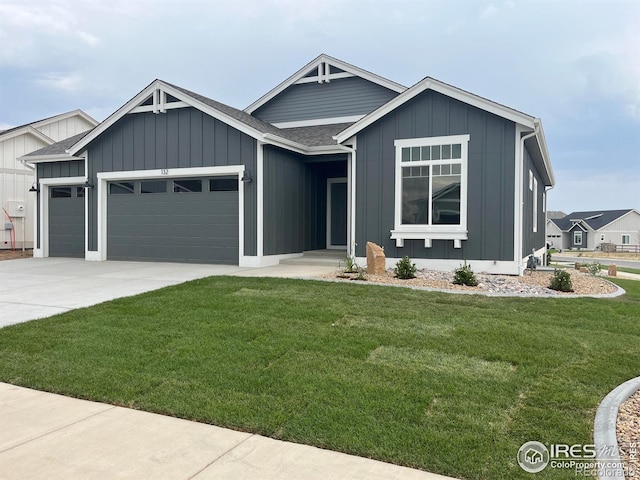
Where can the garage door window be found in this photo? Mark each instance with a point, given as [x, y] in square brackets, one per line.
[79, 192]
[61, 192]
[187, 186]
[154, 186]
[223, 184]
[121, 188]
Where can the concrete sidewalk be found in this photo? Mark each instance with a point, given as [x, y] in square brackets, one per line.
[47, 436]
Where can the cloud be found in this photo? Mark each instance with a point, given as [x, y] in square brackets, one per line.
[58, 81]
[488, 12]
[32, 31]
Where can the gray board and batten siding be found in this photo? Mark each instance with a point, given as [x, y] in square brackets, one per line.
[491, 177]
[179, 138]
[532, 240]
[339, 98]
[295, 199]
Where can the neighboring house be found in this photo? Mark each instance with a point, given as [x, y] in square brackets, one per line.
[589, 230]
[16, 178]
[333, 157]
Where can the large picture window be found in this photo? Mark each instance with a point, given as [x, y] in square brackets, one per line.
[431, 180]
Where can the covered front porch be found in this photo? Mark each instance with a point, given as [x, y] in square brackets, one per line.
[305, 206]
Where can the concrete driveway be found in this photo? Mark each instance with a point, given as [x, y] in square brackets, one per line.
[40, 287]
[33, 288]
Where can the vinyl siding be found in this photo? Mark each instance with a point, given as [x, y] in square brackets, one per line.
[491, 166]
[338, 98]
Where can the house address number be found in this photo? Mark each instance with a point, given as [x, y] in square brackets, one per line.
[164, 171]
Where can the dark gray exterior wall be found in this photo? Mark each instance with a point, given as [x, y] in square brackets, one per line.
[491, 177]
[338, 98]
[284, 181]
[530, 239]
[66, 168]
[180, 138]
[295, 199]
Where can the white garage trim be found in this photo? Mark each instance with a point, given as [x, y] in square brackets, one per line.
[105, 177]
[45, 183]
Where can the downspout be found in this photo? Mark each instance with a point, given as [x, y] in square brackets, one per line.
[351, 214]
[521, 194]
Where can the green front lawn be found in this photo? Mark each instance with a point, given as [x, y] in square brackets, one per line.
[453, 384]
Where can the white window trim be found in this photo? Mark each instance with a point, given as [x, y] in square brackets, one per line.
[457, 233]
[574, 237]
[628, 237]
[535, 205]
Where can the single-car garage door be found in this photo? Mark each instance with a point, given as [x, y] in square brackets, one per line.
[66, 221]
[182, 220]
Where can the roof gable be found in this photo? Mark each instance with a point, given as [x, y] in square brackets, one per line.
[322, 69]
[428, 83]
[45, 121]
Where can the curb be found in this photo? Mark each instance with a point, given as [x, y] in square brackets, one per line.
[604, 431]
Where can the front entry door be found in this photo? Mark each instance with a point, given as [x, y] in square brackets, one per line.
[336, 213]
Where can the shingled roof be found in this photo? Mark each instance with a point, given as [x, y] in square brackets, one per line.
[58, 148]
[313, 136]
[596, 219]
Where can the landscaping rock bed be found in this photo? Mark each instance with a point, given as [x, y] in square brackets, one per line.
[536, 284]
[628, 433]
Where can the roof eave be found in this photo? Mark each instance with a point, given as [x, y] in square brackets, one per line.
[28, 129]
[445, 89]
[58, 157]
[544, 151]
[127, 107]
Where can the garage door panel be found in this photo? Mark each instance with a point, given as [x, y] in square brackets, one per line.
[66, 224]
[180, 227]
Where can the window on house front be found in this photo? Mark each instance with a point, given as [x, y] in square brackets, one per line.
[577, 237]
[431, 180]
[626, 239]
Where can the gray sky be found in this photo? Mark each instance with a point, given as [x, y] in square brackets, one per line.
[575, 64]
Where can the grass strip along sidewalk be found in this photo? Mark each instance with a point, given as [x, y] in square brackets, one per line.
[450, 384]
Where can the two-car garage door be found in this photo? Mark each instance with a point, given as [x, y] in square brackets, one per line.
[178, 220]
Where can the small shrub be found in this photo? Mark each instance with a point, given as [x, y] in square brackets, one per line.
[549, 252]
[593, 268]
[405, 269]
[561, 281]
[350, 264]
[362, 274]
[465, 276]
